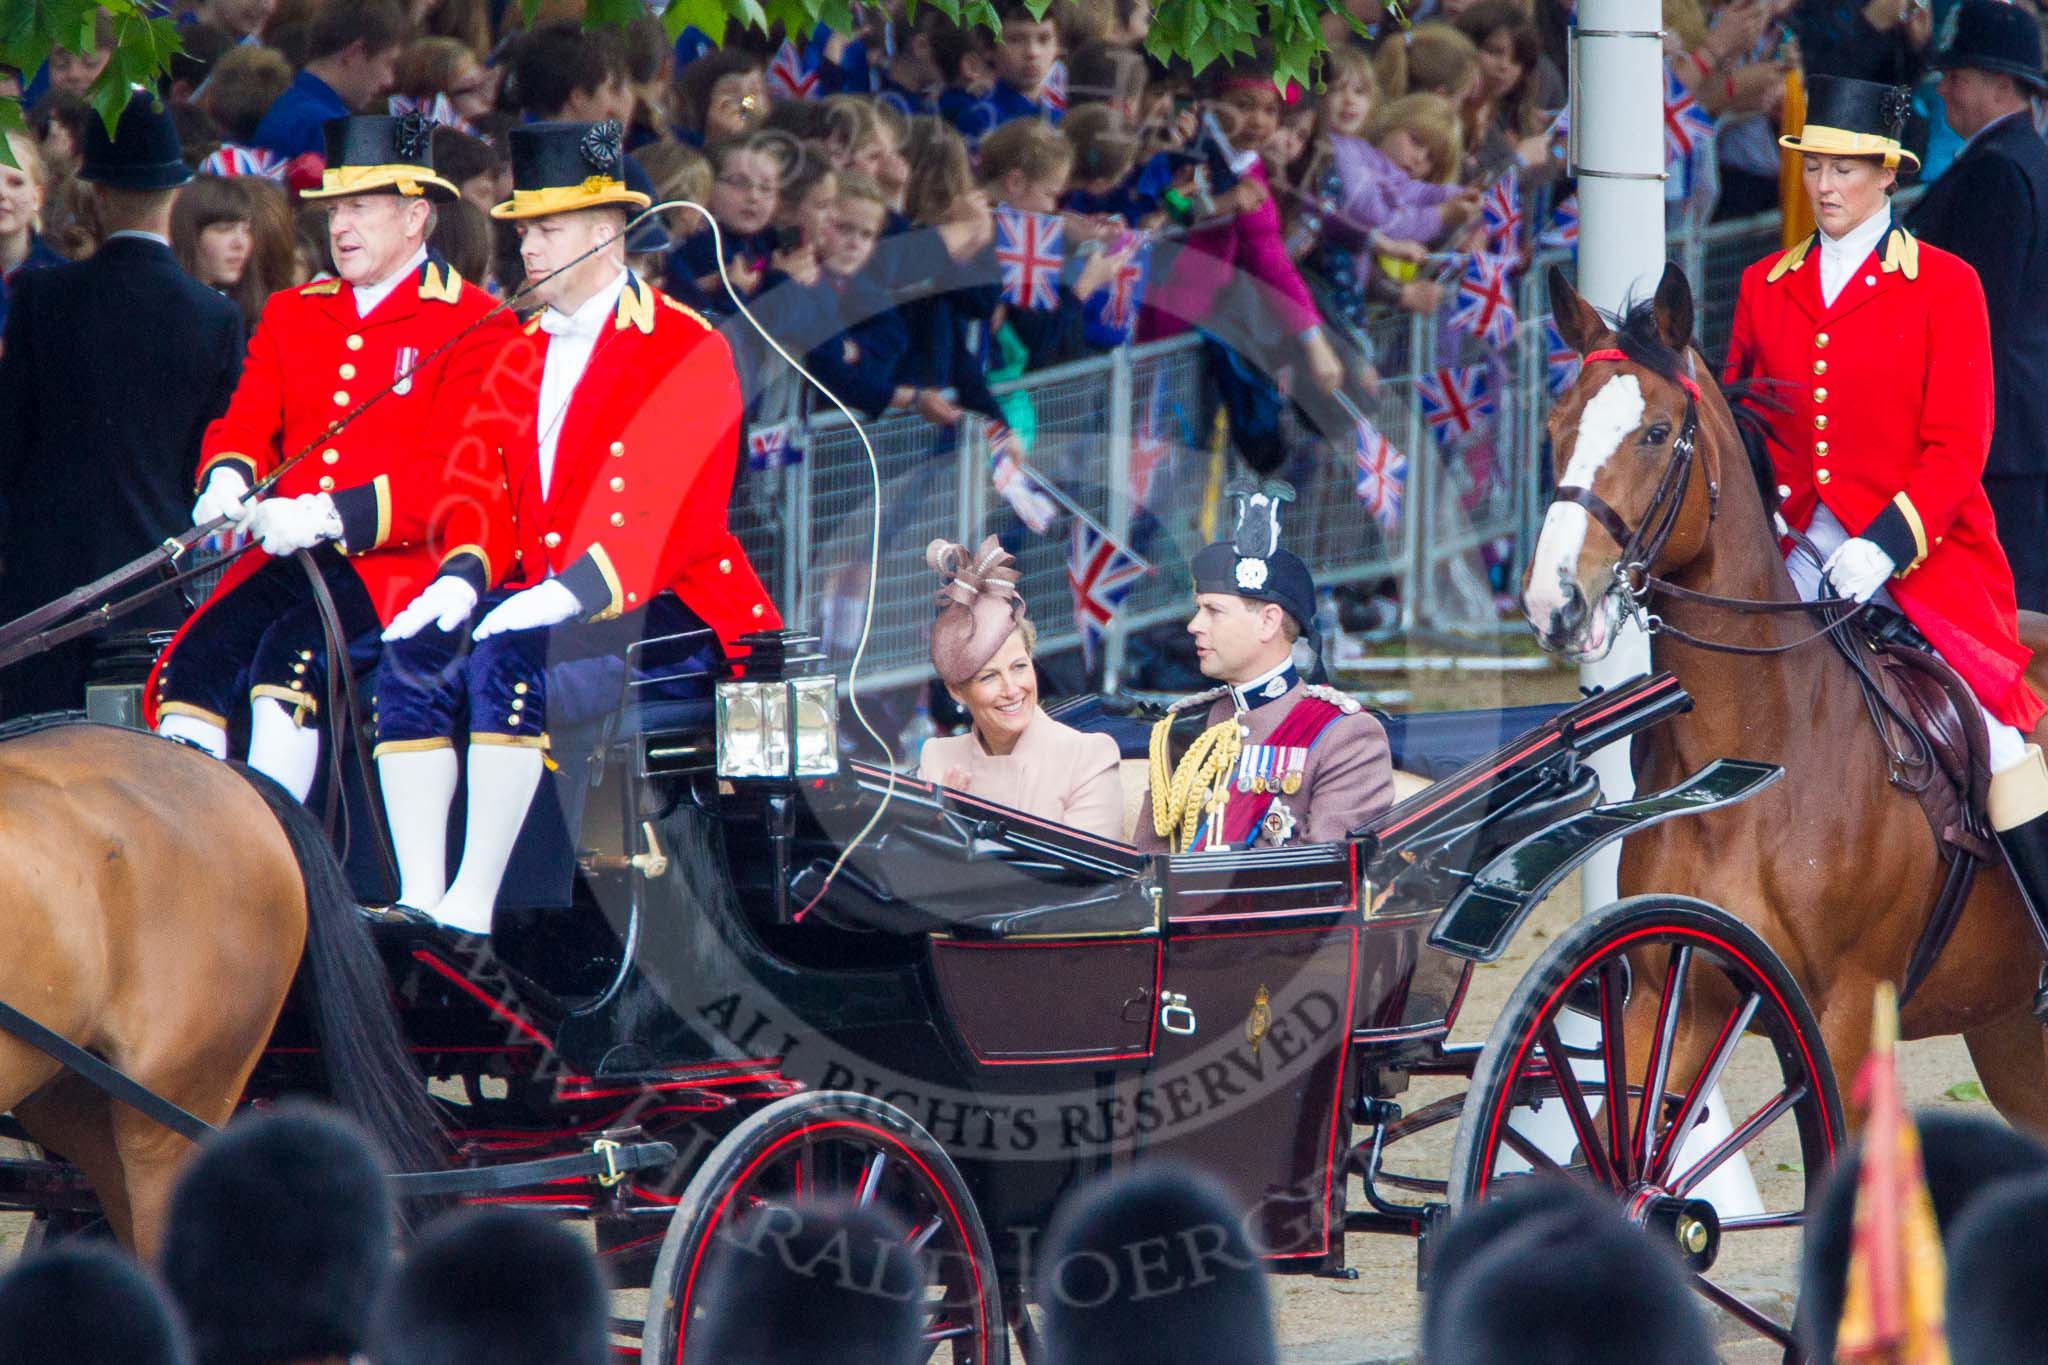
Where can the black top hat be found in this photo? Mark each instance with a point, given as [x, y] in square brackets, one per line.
[1988, 35]
[1252, 564]
[381, 154]
[1846, 117]
[558, 167]
[143, 153]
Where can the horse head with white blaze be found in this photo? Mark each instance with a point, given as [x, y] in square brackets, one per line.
[1638, 480]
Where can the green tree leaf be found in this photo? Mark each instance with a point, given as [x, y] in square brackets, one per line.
[1966, 1092]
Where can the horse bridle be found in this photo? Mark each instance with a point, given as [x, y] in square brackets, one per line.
[1642, 544]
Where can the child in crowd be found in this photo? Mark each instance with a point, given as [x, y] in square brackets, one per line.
[1432, 59]
[213, 236]
[965, 57]
[443, 79]
[808, 192]
[747, 172]
[721, 94]
[892, 169]
[947, 297]
[679, 172]
[238, 93]
[1023, 60]
[861, 361]
[1105, 155]
[22, 189]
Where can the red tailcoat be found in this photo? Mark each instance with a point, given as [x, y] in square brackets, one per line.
[643, 472]
[419, 477]
[1887, 421]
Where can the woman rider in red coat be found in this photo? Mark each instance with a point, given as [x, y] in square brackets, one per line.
[1881, 354]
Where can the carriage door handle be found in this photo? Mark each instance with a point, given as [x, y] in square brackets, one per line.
[1175, 1016]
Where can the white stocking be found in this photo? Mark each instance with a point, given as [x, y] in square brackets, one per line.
[419, 786]
[502, 779]
[203, 733]
[280, 748]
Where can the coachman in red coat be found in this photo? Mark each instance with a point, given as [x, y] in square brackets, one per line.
[620, 485]
[411, 487]
[1879, 424]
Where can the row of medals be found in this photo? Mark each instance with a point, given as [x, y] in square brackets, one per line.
[1287, 785]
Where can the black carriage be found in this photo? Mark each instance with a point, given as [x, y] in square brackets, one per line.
[794, 974]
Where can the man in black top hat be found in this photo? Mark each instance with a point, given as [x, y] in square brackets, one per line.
[1991, 208]
[113, 366]
[1282, 760]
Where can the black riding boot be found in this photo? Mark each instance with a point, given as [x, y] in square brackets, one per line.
[2020, 794]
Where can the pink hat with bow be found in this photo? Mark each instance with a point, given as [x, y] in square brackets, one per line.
[979, 606]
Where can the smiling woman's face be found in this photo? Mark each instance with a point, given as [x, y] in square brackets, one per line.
[1003, 697]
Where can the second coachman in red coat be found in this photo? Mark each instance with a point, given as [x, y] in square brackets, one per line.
[620, 484]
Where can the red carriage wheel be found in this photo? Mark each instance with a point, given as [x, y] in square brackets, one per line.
[832, 1145]
[1664, 997]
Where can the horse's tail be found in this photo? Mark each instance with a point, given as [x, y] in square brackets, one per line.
[371, 1073]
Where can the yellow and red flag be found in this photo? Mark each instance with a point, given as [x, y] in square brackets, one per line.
[1892, 1303]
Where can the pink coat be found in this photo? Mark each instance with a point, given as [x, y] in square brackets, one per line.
[1248, 244]
[1055, 772]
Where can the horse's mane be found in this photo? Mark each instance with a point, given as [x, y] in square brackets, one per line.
[1637, 335]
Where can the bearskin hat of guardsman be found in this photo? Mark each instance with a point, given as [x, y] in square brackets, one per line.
[1252, 564]
[1153, 1268]
[78, 1304]
[811, 1281]
[495, 1287]
[1555, 1276]
[1997, 1270]
[280, 1233]
[1961, 1158]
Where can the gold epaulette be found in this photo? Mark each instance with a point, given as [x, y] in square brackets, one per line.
[1902, 253]
[636, 306]
[321, 288]
[439, 283]
[1792, 259]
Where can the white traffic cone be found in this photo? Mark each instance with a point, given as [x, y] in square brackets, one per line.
[502, 779]
[279, 747]
[419, 787]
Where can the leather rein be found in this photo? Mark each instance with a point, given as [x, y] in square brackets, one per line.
[1643, 543]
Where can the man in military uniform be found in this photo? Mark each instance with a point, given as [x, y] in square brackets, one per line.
[619, 488]
[406, 489]
[1281, 760]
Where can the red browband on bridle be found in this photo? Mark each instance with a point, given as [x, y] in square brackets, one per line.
[1685, 381]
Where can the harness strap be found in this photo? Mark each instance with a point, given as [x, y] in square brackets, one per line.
[101, 1075]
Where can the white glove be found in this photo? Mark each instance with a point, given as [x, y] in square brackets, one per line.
[447, 602]
[284, 525]
[222, 497]
[544, 604]
[1858, 569]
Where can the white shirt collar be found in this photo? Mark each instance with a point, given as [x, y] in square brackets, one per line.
[156, 237]
[589, 318]
[1246, 695]
[368, 296]
[1858, 241]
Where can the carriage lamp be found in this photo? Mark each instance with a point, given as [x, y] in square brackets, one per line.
[780, 718]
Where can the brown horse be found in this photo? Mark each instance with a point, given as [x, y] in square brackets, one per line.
[157, 904]
[1834, 866]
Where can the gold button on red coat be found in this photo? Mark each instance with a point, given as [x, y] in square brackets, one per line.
[355, 343]
[330, 457]
[1821, 340]
[1820, 395]
[618, 447]
[552, 539]
[1821, 475]
[1820, 447]
[1820, 367]
[341, 398]
[618, 518]
[326, 483]
[1820, 421]
[618, 485]
[348, 372]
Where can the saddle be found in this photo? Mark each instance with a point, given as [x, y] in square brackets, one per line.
[1937, 749]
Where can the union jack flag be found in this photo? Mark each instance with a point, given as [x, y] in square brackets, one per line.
[1032, 504]
[1101, 574]
[1485, 305]
[1150, 444]
[1053, 94]
[1564, 224]
[1561, 362]
[1502, 208]
[1382, 474]
[1127, 289]
[770, 447]
[790, 77]
[1030, 249]
[1686, 125]
[1455, 400]
[232, 158]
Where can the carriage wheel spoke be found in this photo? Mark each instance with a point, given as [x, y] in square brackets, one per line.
[1693, 1109]
[1529, 1152]
[1737, 1140]
[1661, 1044]
[1757, 1222]
[1735, 1307]
[1575, 1107]
[925, 1233]
[871, 1178]
[1614, 1053]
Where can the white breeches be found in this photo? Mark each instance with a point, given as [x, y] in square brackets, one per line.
[2008, 745]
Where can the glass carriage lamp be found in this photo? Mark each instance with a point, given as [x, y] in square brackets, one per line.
[780, 716]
